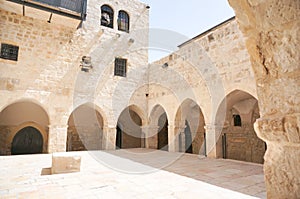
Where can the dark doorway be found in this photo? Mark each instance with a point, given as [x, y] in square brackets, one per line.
[27, 141]
[119, 138]
[188, 138]
[163, 132]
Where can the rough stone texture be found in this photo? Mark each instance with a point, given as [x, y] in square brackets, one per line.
[272, 30]
[48, 73]
[203, 71]
[65, 163]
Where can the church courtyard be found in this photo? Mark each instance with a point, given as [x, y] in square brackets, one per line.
[132, 173]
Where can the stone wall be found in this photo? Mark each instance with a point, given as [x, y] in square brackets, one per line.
[48, 71]
[272, 31]
[205, 69]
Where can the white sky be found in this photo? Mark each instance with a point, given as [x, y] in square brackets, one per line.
[180, 20]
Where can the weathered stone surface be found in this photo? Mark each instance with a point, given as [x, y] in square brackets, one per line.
[65, 163]
[272, 29]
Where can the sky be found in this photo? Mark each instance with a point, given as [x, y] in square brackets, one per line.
[173, 22]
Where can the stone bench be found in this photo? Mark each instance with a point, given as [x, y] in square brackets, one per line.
[65, 163]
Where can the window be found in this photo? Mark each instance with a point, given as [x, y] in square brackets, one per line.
[107, 16]
[123, 21]
[9, 52]
[120, 67]
[237, 120]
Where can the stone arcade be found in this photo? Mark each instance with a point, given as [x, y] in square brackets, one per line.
[78, 78]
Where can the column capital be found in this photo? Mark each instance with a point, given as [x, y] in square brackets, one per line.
[283, 129]
[213, 127]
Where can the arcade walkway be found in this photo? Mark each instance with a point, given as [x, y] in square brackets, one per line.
[133, 173]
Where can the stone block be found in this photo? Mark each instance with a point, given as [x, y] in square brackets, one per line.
[65, 163]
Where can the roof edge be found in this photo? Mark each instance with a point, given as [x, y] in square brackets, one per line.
[207, 31]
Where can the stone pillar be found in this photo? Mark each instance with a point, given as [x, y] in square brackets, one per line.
[151, 136]
[172, 141]
[282, 158]
[213, 140]
[180, 137]
[109, 138]
[271, 29]
[182, 142]
[57, 138]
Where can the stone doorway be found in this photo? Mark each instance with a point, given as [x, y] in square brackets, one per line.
[27, 141]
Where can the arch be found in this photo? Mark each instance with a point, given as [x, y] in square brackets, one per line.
[237, 138]
[158, 129]
[27, 141]
[129, 131]
[95, 107]
[140, 113]
[19, 115]
[190, 122]
[107, 16]
[85, 128]
[123, 21]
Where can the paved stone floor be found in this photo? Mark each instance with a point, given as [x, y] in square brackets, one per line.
[133, 173]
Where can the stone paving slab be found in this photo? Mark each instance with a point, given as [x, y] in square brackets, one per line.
[134, 173]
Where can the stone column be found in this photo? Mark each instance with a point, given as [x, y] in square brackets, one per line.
[282, 158]
[172, 141]
[271, 30]
[182, 142]
[213, 140]
[57, 138]
[151, 136]
[180, 137]
[109, 138]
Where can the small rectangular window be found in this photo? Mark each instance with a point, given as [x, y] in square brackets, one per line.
[120, 67]
[9, 52]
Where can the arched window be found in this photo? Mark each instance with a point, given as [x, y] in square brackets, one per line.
[237, 120]
[107, 16]
[123, 21]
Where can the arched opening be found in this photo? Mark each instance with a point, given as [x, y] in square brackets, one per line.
[123, 21]
[23, 122]
[27, 141]
[129, 131]
[107, 16]
[190, 128]
[158, 129]
[85, 129]
[162, 140]
[238, 139]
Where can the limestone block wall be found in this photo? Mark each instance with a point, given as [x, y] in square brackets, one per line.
[48, 72]
[204, 69]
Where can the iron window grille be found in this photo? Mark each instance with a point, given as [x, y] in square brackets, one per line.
[9, 52]
[120, 67]
[107, 16]
[123, 21]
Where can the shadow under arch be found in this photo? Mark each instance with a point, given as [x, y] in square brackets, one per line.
[85, 128]
[158, 136]
[20, 115]
[129, 128]
[236, 137]
[190, 124]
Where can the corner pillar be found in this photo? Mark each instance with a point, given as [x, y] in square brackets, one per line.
[109, 138]
[57, 138]
[213, 140]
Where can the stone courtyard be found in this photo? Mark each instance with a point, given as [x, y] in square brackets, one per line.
[216, 118]
[139, 173]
